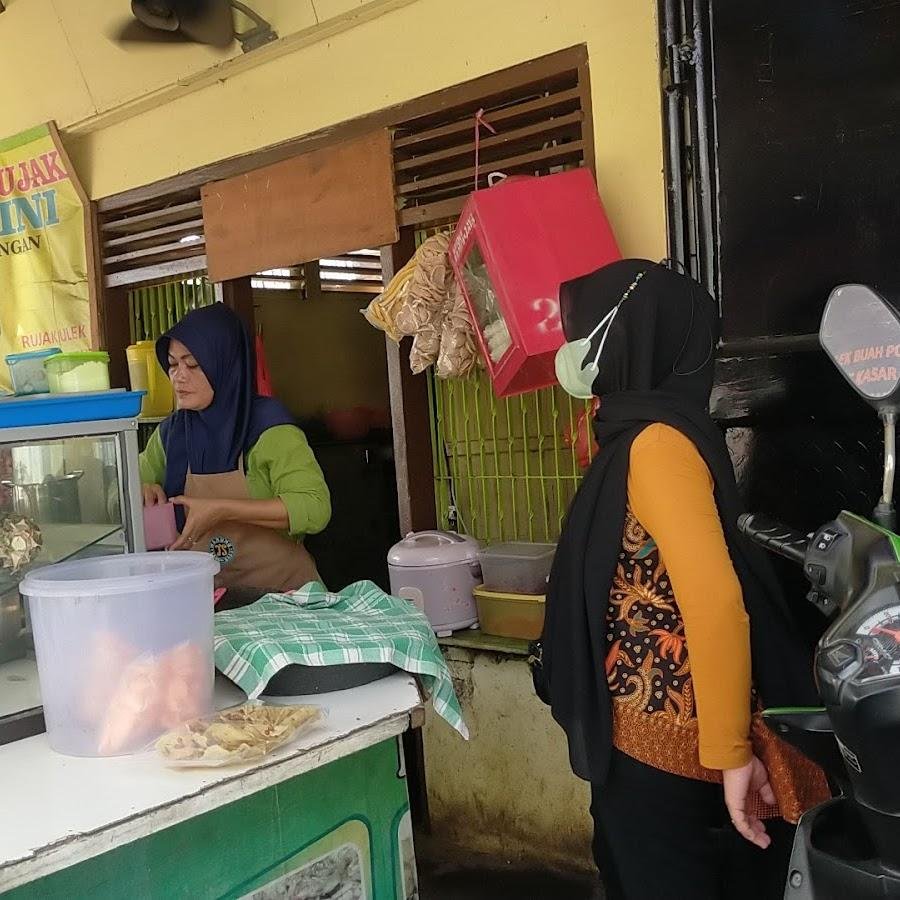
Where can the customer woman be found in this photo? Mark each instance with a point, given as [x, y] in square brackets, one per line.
[244, 479]
[663, 622]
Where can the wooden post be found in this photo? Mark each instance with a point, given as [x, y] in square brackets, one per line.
[312, 279]
[237, 294]
[415, 487]
[409, 415]
[116, 331]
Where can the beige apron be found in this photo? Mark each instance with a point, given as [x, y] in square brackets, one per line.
[250, 556]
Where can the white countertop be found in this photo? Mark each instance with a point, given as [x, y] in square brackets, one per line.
[58, 810]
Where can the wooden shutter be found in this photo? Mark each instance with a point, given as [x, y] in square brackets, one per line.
[153, 242]
[540, 112]
[352, 273]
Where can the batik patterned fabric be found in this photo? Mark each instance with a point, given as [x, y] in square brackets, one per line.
[648, 670]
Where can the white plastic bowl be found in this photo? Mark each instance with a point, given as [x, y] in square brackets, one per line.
[124, 648]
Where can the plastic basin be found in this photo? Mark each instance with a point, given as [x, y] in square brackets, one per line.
[510, 615]
[517, 567]
[124, 648]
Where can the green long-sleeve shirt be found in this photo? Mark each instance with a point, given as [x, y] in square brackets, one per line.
[280, 464]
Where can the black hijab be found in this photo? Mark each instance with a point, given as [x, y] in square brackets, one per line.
[657, 366]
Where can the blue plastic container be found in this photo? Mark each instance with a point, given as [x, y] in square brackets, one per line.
[60, 409]
[27, 371]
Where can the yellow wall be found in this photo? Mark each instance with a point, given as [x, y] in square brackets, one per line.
[78, 73]
[327, 73]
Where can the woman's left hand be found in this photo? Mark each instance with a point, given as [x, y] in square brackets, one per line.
[202, 515]
[743, 785]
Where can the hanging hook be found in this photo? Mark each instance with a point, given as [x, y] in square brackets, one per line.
[479, 121]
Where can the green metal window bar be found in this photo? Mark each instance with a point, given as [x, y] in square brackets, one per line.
[155, 309]
[503, 470]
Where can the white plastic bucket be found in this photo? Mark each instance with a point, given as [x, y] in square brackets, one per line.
[124, 648]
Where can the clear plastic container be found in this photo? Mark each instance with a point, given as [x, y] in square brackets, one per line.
[510, 615]
[78, 373]
[517, 568]
[137, 366]
[124, 648]
[146, 374]
[27, 371]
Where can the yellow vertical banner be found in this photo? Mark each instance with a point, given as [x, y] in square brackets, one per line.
[46, 283]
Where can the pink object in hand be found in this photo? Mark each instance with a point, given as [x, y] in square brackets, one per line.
[159, 526]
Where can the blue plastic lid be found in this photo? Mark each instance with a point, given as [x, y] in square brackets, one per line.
[59, 409]
[32, 354]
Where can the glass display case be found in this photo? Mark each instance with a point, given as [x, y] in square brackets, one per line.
[66, 492]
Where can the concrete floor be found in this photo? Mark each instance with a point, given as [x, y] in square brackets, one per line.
[445, 876]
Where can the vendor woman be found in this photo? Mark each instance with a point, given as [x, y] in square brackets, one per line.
[244, 480]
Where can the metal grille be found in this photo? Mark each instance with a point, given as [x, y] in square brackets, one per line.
[154, 309]
[503, 470]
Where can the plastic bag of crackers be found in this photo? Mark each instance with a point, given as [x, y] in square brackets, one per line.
[458, 356]
[237, 735]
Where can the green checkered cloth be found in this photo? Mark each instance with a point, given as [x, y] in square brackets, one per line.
[314, 627]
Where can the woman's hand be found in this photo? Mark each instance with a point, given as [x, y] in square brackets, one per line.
[741, 787]
[154, 495]
[201, 516]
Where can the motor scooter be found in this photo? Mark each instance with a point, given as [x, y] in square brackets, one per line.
[849, 847]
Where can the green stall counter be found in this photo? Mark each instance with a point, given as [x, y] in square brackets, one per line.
[326, 819]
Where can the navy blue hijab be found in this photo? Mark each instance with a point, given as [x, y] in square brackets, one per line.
[212, 441]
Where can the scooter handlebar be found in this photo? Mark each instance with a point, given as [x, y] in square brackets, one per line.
[774, 536]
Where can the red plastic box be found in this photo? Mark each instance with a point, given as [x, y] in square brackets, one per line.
[514, 245]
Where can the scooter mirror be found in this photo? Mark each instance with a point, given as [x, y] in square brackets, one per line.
[860, 331]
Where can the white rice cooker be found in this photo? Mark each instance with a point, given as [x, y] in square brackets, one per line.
[437, 571]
